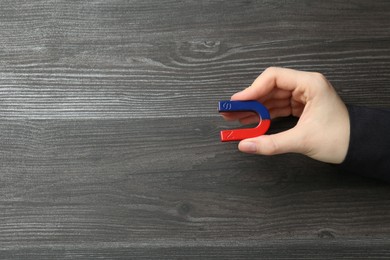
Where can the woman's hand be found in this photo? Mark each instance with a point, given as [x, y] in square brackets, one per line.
[323, 128]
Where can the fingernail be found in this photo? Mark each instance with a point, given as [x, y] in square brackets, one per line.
[248, 147]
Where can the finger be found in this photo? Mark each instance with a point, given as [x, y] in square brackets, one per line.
[297, 108]
[282, 78]
[275, 103]
[276, 94]
[280, 112]
[281, 94]
[284, 142]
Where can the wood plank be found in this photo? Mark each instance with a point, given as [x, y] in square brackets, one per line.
[280, 249]
[79, 185]
[138, 59]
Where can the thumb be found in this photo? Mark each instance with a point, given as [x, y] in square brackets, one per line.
[284, 142]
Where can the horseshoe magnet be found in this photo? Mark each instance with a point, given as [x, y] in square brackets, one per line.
[240, 106]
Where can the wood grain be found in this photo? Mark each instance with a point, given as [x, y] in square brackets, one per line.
[101, 185]
[134, 59]
[109, 142]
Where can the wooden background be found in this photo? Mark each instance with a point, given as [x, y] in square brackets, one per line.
[109, 131]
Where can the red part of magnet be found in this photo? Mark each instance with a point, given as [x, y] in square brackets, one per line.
[240, 134]
[240, 106]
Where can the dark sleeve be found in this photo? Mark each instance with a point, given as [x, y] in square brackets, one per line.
[369, 144]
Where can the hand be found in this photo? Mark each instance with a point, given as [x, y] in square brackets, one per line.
[323, 128]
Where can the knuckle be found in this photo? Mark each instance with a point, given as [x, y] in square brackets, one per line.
[320, 80]
[319, 77]
[271, 69]
[272, 147]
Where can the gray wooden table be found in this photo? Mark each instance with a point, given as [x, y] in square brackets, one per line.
[109, 134]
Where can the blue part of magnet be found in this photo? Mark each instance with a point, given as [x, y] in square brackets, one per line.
[233, 106]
